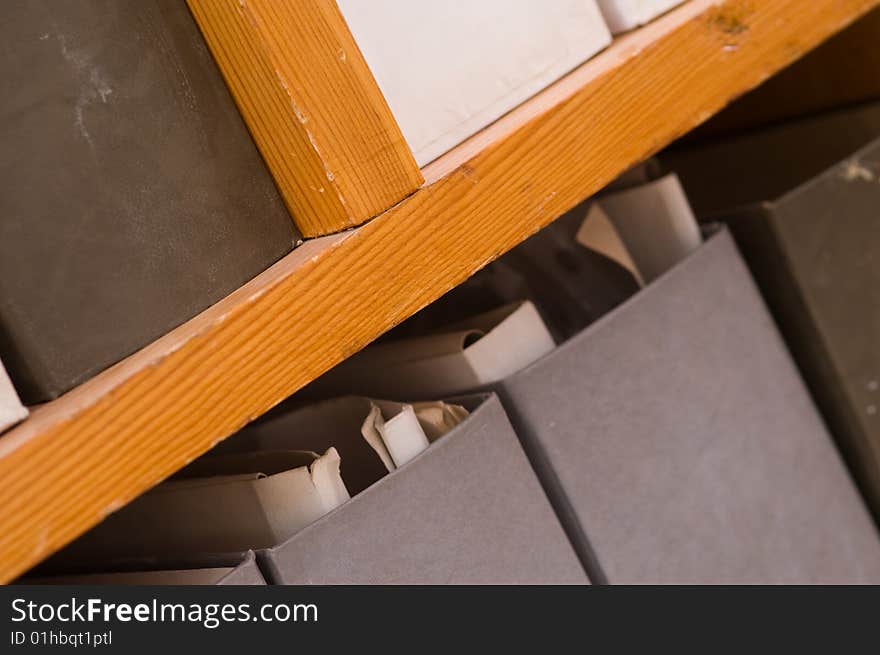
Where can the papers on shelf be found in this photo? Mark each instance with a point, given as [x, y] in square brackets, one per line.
[598, 233]
[226, 503]
[236, 500]
[655, 223]
[476, 352]
[409, 430]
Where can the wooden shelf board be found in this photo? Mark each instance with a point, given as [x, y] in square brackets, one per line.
[313, 107]
[93, 450]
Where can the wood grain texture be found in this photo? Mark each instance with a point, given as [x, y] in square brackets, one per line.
[843, 71]
[313, 108]
[94, 449]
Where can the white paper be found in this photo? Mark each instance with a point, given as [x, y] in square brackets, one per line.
[298, 497]
[624, 15]
[479, 351]
[373, 436]
[221, 513]
[656, 223]
[403, 436]
[519, 340]
[437, 418]
[410, 428]
[598, 233]
[448, 69]
[11, 409]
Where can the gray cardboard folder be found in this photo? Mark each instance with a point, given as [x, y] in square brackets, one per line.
[131, 194]
[813, 244]
[468, 510]
[679, 444]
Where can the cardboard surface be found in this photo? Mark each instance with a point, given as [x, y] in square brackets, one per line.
[761, 165]
[815, 251]
[682, 447]
[245, 573]
[469, 510]
[132, 196]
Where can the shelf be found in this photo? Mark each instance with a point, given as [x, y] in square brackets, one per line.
[313, 107]
[93, 450]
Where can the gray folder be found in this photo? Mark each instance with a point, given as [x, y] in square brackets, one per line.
[468, 510]
[762, 165]
[813, 243]
[680, 445]
[131, 194]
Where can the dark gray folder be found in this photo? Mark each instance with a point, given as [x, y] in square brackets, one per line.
[131, 194]
[813, 243]
[762, 165]
[468, 510]
[680, 445]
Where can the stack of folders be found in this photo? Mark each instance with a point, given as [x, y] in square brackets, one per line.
[802, 199]
[386, 493]
[669, 425]
[661, 433]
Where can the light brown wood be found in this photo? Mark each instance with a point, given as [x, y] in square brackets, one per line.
[844, 71]
[313, 108]
[94, 449]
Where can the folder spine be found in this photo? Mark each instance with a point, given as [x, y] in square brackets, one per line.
[268, 568]
[554, 491]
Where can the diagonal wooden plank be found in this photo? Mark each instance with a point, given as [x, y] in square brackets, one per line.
[313, 108]
[97, 447]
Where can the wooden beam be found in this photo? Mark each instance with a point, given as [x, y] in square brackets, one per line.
[313, 108]
[96, 448]
[842, 72]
